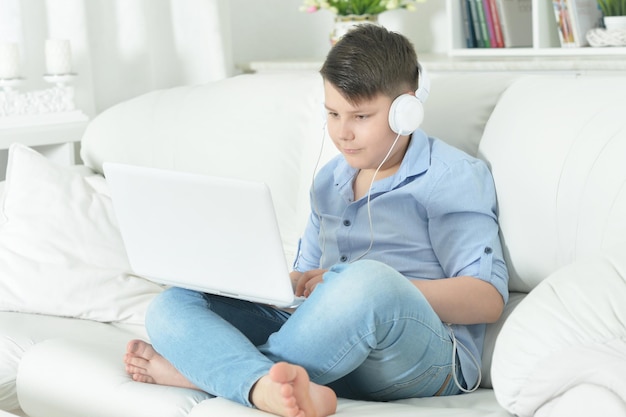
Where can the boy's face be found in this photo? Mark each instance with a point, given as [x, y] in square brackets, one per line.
[361, 131]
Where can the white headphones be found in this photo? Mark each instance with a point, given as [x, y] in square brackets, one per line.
[407, 111]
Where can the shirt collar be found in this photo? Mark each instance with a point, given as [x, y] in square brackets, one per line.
[415, 162]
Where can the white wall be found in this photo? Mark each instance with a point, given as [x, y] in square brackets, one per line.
[276, 29]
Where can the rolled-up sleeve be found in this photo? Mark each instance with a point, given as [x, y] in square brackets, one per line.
[463, 224]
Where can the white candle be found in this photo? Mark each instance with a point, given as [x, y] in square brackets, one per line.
[9, 61]
[58, 56]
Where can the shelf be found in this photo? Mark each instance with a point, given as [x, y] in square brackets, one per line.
[545, 39]
[532, 60]
[615, 52]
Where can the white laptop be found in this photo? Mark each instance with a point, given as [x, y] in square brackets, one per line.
[211, 234]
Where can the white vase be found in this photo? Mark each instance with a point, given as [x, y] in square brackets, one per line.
[344, 23]
[615, 22]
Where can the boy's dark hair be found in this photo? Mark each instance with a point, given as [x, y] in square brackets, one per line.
[370, 60]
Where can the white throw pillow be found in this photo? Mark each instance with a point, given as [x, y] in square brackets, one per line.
[569, 332]
[61, 252]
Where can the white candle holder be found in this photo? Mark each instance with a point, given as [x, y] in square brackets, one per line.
[56, 99]
[8, 84]
[60, 80]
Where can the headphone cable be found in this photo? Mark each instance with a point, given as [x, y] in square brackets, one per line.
[369, 199]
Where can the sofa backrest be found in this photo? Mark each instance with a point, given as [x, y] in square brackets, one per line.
[459, 105]
[556, 146]
[248, 125]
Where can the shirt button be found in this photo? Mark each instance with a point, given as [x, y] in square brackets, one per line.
[346, 223]
[343, 258]
[488, 250]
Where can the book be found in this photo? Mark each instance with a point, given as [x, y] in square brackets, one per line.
[478, 33]
[497, 27]
[562, 18]
[516, 22]
[489, 22]
[482, 23]
[584, 15]
[468, 24]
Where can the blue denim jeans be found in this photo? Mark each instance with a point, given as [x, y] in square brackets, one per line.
[366, 332]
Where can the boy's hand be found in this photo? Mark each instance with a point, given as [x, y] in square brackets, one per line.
[308, 281]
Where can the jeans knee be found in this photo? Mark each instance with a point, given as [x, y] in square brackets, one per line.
[166, 306]
[369, 279]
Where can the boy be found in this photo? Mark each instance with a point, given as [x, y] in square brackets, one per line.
[402, 240]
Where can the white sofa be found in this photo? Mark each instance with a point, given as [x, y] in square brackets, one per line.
[557, 149]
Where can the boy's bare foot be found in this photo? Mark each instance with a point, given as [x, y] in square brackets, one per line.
[288, 392]
[144, 364]
[285, 391]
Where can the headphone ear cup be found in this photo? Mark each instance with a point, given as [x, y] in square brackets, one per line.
[406, 114]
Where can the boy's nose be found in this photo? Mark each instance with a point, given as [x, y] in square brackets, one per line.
[345, 132]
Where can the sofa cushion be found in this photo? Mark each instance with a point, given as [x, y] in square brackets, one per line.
[480, 403]
[19, 332]
[89, 376]
[60, 249]
[559, 171]
[10, 355]
[568, 332]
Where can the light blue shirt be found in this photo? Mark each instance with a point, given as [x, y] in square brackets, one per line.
[436, 217]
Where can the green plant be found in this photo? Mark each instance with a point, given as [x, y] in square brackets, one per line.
[358, 7]
[613, 7]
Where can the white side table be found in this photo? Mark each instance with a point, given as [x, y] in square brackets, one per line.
[53, 135]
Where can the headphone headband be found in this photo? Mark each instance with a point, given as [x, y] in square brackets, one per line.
[423, 84]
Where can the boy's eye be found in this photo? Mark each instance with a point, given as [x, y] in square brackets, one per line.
[361, 116]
